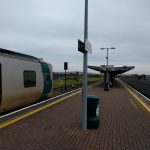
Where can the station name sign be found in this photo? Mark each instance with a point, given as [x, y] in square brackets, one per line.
[109, 67]
[84, 47]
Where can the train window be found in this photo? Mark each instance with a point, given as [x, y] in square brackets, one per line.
[29, 78]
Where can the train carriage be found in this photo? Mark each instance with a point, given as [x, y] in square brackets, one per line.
[24, 79]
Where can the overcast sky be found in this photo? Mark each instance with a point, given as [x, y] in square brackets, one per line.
[49, 29]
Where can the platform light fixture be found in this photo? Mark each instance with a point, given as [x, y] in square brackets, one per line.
[107, 52]
[85, 60]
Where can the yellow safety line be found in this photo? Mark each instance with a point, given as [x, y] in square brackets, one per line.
[35, 111]
[137, 98]
[134, 104]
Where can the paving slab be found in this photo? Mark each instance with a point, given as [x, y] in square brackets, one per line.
[124, 125]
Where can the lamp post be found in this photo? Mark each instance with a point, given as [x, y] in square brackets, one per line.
[107, 52]
[107, 75]
[85, 47]
[85, 60]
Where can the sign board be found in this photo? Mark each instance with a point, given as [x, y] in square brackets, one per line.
[88, 46]
[109, 67]
[112, 69]
[81, 46]
[84, 47]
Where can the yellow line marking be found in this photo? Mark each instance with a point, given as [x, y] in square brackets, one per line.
[7, 123]
[133, 103]
[137, 98]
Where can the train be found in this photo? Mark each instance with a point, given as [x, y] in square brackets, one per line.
[24, 80]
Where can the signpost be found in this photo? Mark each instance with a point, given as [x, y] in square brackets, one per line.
[85, 47]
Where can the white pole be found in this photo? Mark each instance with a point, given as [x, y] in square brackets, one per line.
[85, 60]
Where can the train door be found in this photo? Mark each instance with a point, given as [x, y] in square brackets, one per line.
[47, 80]
[0, 84]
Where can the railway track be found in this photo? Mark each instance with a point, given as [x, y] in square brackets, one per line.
[143, 86]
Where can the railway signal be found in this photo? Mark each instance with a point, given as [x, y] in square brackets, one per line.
[65, 68]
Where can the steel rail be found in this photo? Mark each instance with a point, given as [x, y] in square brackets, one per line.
[136, 90]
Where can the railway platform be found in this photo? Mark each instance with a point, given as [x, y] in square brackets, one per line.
[124, 125]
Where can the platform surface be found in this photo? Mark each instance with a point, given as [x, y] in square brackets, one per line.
[124, 125]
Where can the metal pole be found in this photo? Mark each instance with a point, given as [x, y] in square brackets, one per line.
[65, 81]
[85, 59]
[107, 56]
[106, 79]
[107, 75]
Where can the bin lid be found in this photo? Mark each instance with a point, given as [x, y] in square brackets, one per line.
[92, 97]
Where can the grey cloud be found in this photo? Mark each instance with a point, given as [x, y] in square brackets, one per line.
[50, 29]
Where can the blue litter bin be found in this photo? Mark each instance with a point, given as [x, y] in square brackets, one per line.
[93, 118]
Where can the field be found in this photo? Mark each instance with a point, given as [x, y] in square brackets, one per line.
[59, 85]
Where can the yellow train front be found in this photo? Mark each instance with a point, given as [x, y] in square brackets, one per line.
[24, 79]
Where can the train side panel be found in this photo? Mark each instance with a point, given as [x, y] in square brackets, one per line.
[17, 89]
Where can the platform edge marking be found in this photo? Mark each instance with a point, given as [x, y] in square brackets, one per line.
[137, 98]
[7, 123]
[35, 111]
